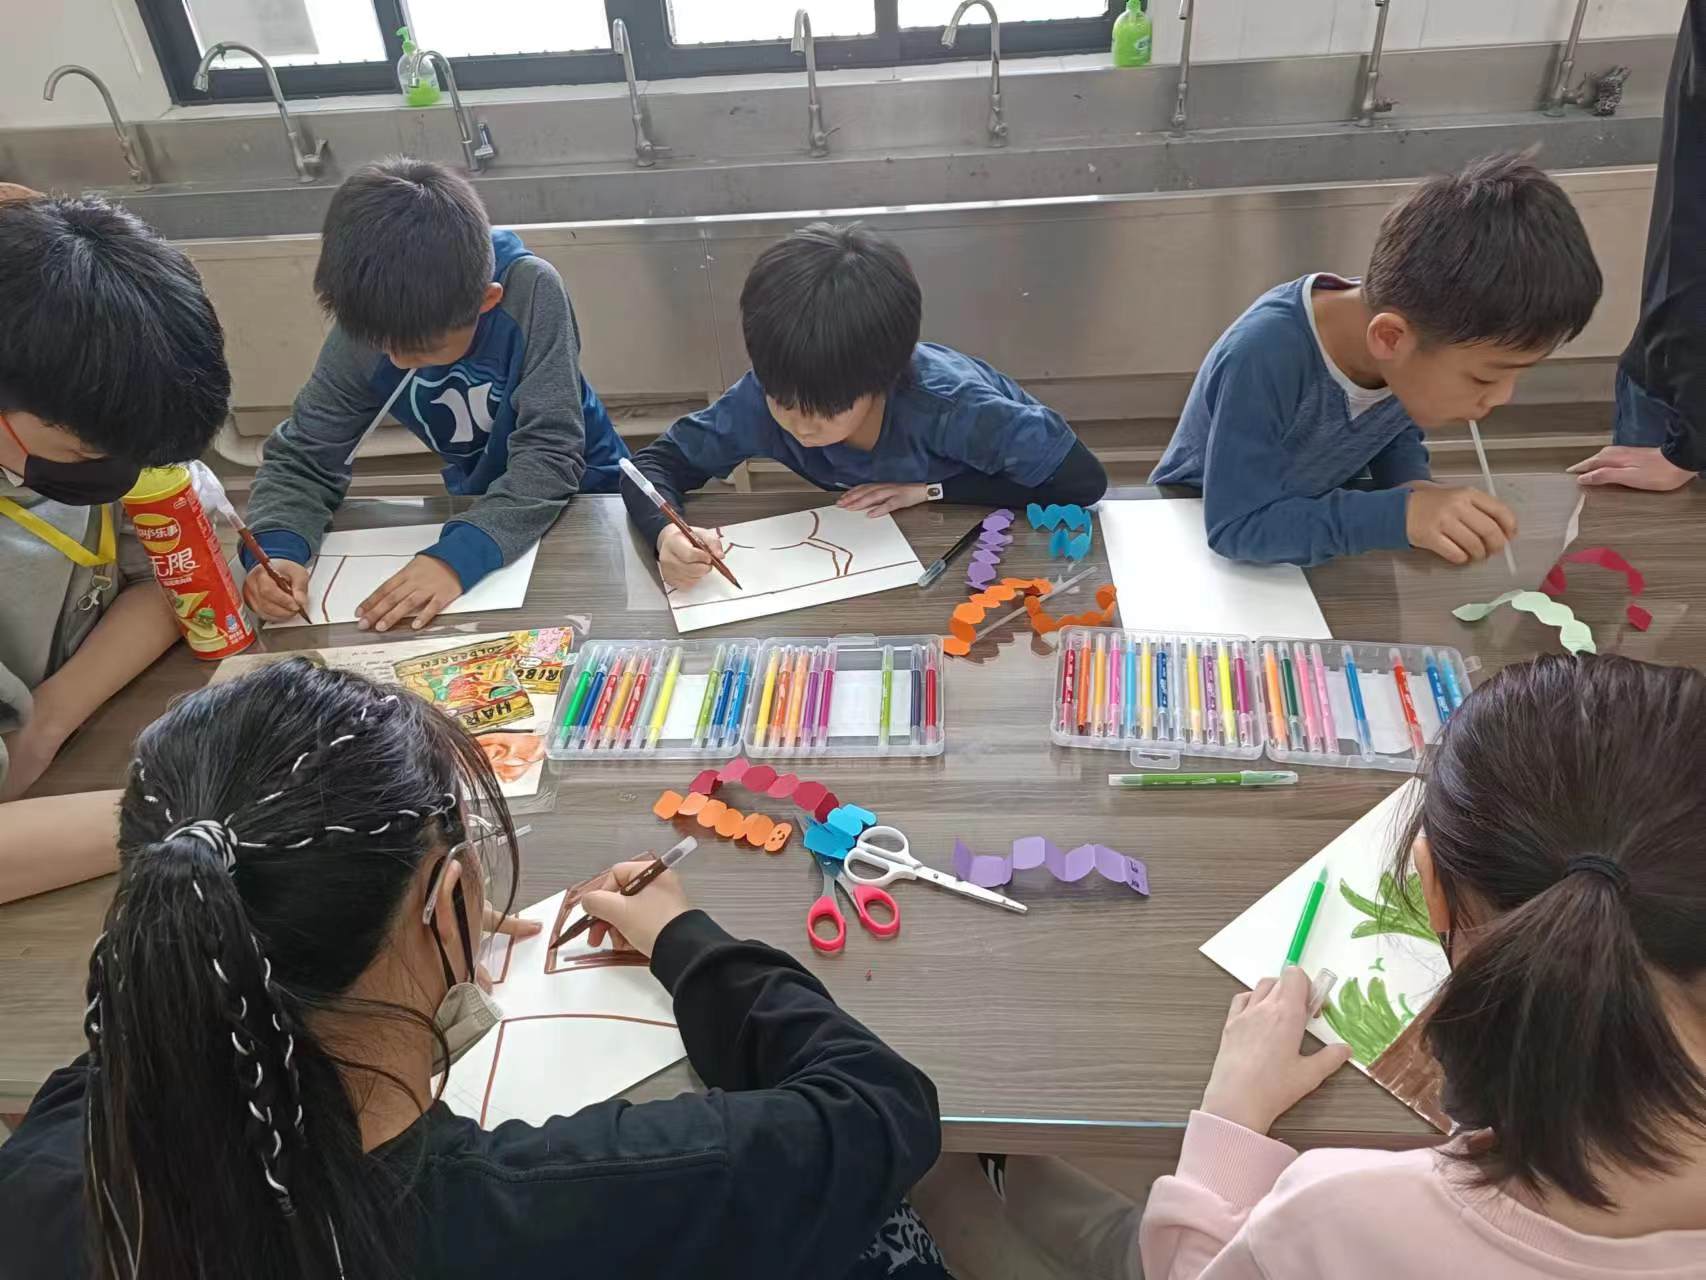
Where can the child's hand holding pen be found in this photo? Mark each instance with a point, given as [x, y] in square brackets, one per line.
[633, 923]
[1261, 1072]
[680, 562]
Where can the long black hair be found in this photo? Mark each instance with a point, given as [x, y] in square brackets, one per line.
[268, 835]
[1566, 817]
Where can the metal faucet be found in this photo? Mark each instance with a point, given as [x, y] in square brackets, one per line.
[1372, 103]
[1561, 93]
[467, 129]
[997, 126]
[646, 152]
[1187, 15]
[305, 153]
[138, 169]
[816, 134]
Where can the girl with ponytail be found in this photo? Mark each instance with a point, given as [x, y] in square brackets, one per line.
[1561, 844]
[307, 864]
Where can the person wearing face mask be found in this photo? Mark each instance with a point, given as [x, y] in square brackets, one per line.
[287, 970]
[111, 359]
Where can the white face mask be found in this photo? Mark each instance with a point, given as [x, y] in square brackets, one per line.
[463, 1017]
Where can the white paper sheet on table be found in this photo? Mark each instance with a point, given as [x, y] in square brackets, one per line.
[567, 1039]
[1408, 967]
[1169, 580]
[795, 561]
[353, 562]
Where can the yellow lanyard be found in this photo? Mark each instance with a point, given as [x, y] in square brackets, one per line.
[69, 547]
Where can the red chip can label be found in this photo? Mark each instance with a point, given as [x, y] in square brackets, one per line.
[188, 562]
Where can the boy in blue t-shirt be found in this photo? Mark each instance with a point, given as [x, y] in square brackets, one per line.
[416, 280]
[1473, 279]
[843, 393]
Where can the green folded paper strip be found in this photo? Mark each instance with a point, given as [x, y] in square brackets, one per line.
[1573, 633]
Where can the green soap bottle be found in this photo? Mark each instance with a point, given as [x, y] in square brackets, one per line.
[1134, 36]
[420, 88]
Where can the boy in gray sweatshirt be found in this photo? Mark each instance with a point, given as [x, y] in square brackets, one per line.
[111, 359]
[423, 290]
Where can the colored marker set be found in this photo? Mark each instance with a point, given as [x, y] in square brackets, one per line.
[848, 696]
[1358, 704]
[1194, 694]
[1328, 702]
[654, 700]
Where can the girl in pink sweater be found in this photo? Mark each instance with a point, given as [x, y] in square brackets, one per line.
[1561, 845]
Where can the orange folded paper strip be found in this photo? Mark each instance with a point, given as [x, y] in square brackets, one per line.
[1043, 624]
[969, 615]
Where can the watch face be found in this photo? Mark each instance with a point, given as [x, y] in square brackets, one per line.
[933, 492]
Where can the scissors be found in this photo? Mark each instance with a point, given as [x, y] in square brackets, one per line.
[893, 861]
[864, 898]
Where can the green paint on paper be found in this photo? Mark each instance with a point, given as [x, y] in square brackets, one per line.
[1403, 912]
[1368, 1024]
[1379, 965]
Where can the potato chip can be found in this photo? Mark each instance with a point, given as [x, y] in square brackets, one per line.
[188, 564]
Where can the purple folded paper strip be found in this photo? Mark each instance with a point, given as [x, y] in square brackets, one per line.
[989, 870]
[983, 568]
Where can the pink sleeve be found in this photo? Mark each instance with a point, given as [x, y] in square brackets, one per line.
[1193, 1215]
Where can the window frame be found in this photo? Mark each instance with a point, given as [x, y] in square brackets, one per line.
[656, 56]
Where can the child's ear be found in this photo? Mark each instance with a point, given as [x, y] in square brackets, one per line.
[1390, 336]
[494, 295]
[1422, 858]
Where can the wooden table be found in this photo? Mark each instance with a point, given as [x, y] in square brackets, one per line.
[1088, 1025]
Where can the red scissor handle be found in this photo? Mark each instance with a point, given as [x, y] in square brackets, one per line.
[866, 896]
[825, 909]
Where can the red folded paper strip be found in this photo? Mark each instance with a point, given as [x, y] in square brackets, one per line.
[1604, 557]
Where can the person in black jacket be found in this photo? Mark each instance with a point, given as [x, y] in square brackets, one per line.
[288, 962]
[1660, 430]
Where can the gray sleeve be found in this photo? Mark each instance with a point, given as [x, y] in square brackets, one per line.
[305, 467]
[547, 445]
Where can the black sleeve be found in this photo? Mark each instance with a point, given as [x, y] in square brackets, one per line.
[41, 1181]
[1079, 478]
[809, 1136]
[1666, 355]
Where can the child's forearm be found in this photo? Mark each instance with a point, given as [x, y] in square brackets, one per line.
[672, 475]
[1079, 479]
[52, 841]
[135, 630]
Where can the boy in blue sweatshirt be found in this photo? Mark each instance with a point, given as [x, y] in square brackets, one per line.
[420, 286]
[1474, 278]
[843, 393]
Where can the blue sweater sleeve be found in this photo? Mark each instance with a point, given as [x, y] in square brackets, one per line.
[1402, 461]
[1019, 440]
[1245, 511]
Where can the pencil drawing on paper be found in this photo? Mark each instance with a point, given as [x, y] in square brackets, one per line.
[797, 560]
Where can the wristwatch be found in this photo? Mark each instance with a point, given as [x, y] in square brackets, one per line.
[932, 493]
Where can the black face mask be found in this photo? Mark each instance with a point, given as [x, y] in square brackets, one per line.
[77, 484]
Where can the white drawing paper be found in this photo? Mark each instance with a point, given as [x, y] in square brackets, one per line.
[1169, 580]
[795, 561]
[1407, 966]
[353, 563]
[573, 1033]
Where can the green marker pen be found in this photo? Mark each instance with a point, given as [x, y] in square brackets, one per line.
[888, 695]
[1243, 778]
[581, 686]
[716, 678]
[1312, 904]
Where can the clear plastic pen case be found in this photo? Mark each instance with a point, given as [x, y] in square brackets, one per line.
[852, 695]
[653, 700]
[1360, 704]
[1164, 695]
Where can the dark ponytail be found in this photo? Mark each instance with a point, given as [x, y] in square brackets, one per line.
[268, 835]
[1566, 817]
